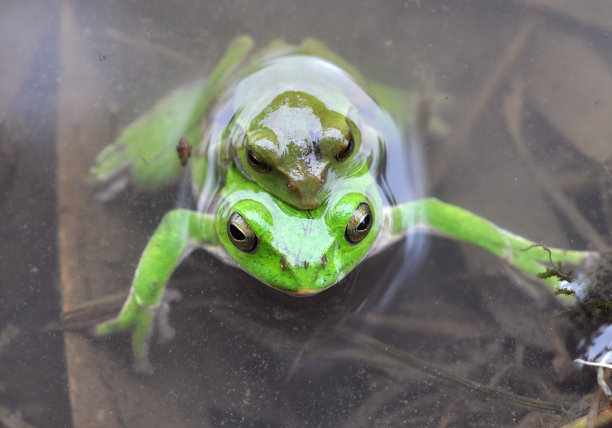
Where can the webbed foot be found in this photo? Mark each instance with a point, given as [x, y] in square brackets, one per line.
[165, 332]
[139, 320]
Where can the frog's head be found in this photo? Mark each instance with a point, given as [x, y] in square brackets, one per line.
[296, 147]
[299, 251]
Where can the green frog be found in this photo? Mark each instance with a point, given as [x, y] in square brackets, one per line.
[287, 160]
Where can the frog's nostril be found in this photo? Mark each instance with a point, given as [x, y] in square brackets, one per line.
[292, 186]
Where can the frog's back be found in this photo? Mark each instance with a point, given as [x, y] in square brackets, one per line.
[290, 70]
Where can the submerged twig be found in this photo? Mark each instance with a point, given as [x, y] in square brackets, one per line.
[512, 106]
[367, 410]
[88, 314]
[157, 49]
[603, 419]
[451, 328]
[406, 357]
[552, 271]
[503, 66]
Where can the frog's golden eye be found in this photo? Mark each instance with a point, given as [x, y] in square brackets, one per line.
[257, 162]
[241, 234]
[347, 148]
[359, 224]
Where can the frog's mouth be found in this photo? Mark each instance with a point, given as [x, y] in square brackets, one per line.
[304, 292]
[301, 278]
[307, 284]
[294, 288]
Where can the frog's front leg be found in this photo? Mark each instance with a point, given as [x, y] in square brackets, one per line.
[179, 232]
[144, 153]
[448, 220]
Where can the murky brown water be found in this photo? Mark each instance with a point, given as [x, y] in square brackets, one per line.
[524, 90]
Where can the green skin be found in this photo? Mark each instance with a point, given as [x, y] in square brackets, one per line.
[298, 251]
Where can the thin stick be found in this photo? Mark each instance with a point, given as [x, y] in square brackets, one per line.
[511, 109]
[405, 357]
[464, 130]
[144, 45]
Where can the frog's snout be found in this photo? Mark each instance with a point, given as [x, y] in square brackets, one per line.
[293, 188]
[308, 190]
[310, 276]
[306, 185]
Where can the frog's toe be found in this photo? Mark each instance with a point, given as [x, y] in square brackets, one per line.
[143, 365]
[165, 332]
